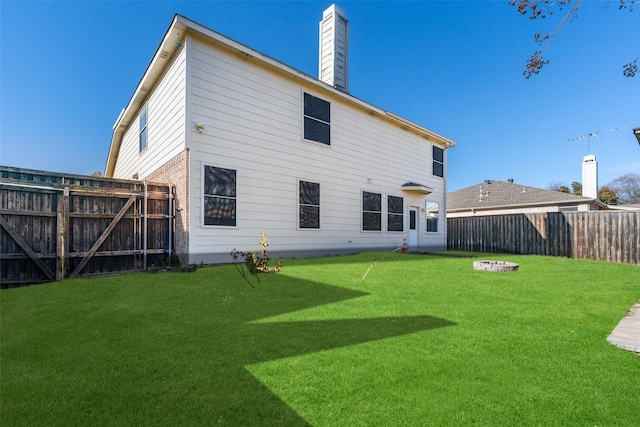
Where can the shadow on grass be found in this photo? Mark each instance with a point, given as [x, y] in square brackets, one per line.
[171, 351]
[270, 341]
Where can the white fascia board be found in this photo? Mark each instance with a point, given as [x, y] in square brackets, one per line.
[421, 130]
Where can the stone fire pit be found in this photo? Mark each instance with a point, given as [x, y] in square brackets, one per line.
[495, 265]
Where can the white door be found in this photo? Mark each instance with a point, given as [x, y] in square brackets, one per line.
[413, 230]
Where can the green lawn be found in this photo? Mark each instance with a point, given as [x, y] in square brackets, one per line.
[423, 340]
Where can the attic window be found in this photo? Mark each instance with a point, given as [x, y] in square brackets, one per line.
[317, 119]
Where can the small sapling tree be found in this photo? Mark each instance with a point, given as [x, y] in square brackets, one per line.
[255, 264]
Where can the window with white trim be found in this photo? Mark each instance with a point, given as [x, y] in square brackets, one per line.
[219, 196]
[395, 213]
[143, 128]
[371, 211]
[317, 119]
[309, 205]
[432, 209]
[438, 161]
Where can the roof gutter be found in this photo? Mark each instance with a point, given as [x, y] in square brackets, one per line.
[417, 128]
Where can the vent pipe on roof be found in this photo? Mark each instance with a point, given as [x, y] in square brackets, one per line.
[334, 48]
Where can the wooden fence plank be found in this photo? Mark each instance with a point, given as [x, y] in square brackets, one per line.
[62, 225]
[26, 213]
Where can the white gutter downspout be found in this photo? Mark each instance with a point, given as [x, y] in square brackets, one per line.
[170, 194]
[144, 234]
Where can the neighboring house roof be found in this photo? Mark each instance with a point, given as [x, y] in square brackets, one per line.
[500, 195]
[173, 42]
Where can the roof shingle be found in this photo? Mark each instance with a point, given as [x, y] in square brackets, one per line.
[496, 194]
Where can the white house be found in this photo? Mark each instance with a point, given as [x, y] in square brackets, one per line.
[253, 145]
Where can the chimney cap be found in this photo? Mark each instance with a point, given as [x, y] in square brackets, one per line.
[333, 8]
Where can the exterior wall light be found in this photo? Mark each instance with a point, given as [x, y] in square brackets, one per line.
[636, 132]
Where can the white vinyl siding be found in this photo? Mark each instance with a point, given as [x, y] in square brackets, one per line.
[166, 126]
[252, 124]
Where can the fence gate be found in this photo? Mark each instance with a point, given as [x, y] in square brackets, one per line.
[54, 226]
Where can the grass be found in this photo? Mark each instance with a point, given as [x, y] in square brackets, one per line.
[423, 340]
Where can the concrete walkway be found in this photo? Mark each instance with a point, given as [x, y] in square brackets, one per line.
[627, 334]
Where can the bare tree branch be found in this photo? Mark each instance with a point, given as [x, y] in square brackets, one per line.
[630, 69]
[542, 9]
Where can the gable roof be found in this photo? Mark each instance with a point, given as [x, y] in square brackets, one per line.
[499, 194]
[173, 41]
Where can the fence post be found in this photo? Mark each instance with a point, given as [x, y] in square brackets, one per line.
[62, 225]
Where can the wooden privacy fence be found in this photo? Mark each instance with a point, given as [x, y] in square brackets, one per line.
[55, 226]
[598, 235]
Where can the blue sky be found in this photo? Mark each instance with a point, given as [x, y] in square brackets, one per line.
[68, 68]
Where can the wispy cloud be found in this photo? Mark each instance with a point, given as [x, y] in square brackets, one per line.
[629, 167]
